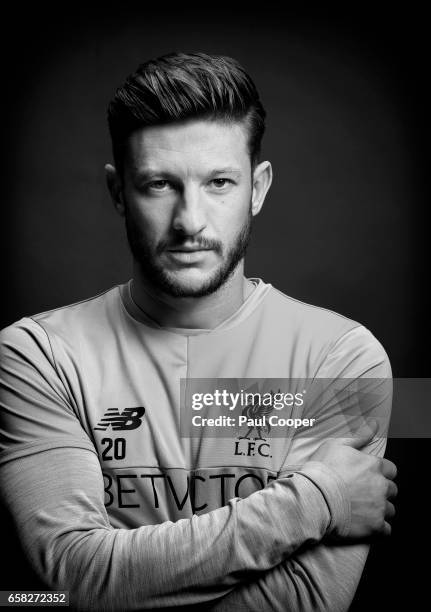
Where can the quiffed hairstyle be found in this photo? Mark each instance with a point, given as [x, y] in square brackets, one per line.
[181, 86]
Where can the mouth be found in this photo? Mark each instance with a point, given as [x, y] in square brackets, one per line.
[187, 255]
[188, 249]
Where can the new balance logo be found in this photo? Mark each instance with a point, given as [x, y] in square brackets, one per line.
[130, 418]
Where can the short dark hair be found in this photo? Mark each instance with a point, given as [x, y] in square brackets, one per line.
[181, 86]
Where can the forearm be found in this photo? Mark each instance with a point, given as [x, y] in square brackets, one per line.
[73, 546]
[322, 578]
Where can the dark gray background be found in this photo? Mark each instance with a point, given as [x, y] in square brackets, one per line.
[343, 226]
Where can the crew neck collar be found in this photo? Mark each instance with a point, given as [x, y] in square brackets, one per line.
[246, 308]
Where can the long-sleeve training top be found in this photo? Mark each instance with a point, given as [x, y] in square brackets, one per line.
[121, 500]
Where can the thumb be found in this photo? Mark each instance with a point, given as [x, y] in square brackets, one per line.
[363, 436]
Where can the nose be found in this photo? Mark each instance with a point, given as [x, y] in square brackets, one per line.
[189, 213]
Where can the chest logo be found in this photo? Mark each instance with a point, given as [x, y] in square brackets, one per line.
[254, 418]
[129, 418]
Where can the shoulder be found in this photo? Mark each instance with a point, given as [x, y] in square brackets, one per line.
[345, 346]
[306, 323]
[35, 332]
[313, 315]
[83, 312]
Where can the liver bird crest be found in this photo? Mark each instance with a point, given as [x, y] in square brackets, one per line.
[256, 412]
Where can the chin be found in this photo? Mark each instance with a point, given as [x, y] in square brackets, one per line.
[194, 286]
[192, 283]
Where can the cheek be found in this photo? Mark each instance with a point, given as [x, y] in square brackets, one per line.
[151, 221]
[231, 215]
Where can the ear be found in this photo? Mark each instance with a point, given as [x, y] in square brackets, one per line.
[114, 184]
[262, 179]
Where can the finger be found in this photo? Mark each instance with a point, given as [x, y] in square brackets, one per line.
[387, 529]
[392, 491]
[363, 435]
[389, 510]
[389, 469]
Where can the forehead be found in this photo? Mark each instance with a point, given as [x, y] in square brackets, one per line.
[185, 146]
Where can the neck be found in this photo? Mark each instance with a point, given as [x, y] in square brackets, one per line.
[205, 312]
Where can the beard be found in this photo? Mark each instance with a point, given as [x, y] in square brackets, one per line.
[148, 258]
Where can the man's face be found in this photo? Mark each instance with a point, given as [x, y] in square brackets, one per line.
[187, 191]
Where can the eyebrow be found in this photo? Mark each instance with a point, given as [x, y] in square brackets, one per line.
[149, 173]
[229, 170]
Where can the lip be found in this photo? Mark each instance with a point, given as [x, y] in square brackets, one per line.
[188, 250]
[187, 256]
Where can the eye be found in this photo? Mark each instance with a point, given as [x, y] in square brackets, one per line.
[159, 185]
[219, 183]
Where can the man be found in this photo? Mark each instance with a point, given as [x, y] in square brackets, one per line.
[111, 502]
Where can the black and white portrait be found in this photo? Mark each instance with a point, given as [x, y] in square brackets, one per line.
[208, 211]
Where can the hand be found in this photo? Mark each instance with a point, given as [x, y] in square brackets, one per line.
[368, 479]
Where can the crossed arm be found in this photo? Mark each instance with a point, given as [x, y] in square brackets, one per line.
[56, 499]
[319, 576]
[265, 552]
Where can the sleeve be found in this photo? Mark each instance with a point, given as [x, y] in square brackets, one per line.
[325, 576]
[52, 485]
